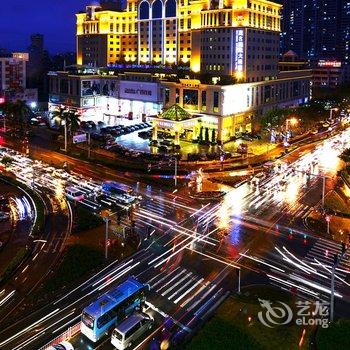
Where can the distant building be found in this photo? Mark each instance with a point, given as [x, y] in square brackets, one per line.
[38, 65]
[60, 61]
[13, 73]
[329, 74]
[317, 30]
[291, 62]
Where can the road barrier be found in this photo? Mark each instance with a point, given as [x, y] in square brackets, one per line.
[68, 334]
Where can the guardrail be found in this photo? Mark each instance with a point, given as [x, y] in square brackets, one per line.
[69, 333]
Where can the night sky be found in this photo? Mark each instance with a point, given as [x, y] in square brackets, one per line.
[53, 18]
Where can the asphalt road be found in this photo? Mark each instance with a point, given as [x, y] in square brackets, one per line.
[190, 260]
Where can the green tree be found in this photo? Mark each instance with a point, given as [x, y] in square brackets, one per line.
[345, 156]
[206, 137]
[213, 139]
[17, 113]
[71, 122]
[21, 115]
[274, 118]
[6, 160]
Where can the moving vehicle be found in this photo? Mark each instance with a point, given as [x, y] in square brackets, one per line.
[74, 194]
[4, 216]
[130, 330]
[101, 316]
[113, 187]
[65, 345]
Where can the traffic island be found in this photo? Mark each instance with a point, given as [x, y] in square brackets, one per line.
[236, 324]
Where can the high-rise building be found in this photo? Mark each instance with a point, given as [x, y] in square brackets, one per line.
[38, 65]
[315, 29]
[13, 71]
[231, 37]
[345, 37]
[216, 59]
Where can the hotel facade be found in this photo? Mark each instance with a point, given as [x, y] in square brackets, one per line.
[227, 52]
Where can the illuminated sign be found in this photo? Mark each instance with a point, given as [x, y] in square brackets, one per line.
[329, 64]
[79, 138]
[2, 100]
[239, 50]
[141, 91]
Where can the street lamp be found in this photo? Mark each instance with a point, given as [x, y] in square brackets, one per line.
[106, 215]
[328, 220]
[331, 112]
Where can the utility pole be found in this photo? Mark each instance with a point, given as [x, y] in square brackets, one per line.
[89, 145]
[106, 219]
[328, 219]
[335, 263]
[239, 280]
[175, 179]
[323, 190]
[65, 136]
[336, 260]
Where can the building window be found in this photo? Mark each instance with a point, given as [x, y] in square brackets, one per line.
[190, 99]
[167, 95]
[204, 100]
[216, 102]
[177, 96]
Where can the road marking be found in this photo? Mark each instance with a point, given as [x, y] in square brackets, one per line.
[188, 291]
[162, 313]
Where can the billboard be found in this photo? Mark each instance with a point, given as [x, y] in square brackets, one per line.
[79, 138]
[141, 91]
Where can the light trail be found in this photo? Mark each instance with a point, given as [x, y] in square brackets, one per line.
[7, 298]
[261, 262]
[29, 327]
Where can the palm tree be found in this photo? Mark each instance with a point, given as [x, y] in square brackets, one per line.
[71, 121]
[21, 113]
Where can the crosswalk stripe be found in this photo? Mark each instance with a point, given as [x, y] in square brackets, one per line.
[182, 288]
[165, 277]
[176, 284]
[188, 291]
[173, 279]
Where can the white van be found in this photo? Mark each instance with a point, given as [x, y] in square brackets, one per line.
[74, 194]
[131, 329]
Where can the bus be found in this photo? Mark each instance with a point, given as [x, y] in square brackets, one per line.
[101, 316]
[117, 188]
[120, 192]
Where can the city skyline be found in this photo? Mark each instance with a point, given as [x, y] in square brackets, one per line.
[16, 27]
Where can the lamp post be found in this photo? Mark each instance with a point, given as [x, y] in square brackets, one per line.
[290, 122]
[175, 171]
[335, 109]
[106, 215]
[328, 220]
[106, 220]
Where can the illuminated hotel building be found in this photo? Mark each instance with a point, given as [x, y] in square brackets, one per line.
[225, 37]
[225, 51]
